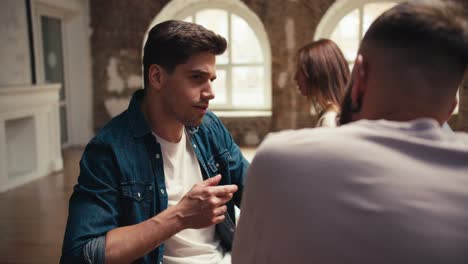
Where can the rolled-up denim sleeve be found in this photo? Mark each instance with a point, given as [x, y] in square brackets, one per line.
[94, 206]
[94, 250]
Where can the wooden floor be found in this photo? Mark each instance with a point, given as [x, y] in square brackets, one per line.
[33, 216]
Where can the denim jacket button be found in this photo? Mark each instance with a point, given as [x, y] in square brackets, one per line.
[217, 165]
[162, 191]
[194, 146]
[158, 156]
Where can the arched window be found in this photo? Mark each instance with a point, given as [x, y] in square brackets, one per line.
[346, 22]
[244, 70]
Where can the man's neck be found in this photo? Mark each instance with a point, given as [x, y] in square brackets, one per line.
[399, 115]
[162, 124]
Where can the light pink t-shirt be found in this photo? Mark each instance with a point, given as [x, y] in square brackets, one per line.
[368, 192]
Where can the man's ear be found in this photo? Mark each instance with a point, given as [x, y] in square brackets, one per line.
[156, 76]
[358, 88]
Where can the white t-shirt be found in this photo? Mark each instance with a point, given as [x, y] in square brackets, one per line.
[182, 171]
[368, 192]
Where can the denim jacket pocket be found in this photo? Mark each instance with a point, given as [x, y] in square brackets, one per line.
[219, 163]
[136, 201]
[135, 190]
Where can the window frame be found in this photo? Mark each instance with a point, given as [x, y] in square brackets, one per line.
[63, 15]
[77, 77]
[338, 11]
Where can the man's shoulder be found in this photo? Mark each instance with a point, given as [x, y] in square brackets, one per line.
[316, 145]
[313, 143]
[365, 135]
[308, 136]
[116, 130]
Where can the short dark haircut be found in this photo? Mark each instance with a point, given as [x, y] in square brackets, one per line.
[423, 27]
[326, 70]
[172, 42]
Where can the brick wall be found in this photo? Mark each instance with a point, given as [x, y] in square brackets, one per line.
[117, 39]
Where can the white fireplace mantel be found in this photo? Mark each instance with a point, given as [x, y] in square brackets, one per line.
[29, 133]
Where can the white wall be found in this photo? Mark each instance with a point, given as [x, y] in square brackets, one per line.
[15, 68]
[29, 134]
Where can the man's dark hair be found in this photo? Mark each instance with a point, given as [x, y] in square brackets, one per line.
[172, 42]
[430, 36]
[421, 27]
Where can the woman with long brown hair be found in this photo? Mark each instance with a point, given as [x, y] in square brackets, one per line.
[322, 74]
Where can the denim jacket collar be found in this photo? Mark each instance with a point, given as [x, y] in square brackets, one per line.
[137, 120]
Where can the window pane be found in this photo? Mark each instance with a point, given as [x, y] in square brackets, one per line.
[245, 45]
[346, 34]
[372, 11]
[219, 86]
[247, 89]
[53, 52]
[217, 21]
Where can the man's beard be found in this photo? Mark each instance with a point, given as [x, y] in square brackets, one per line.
[347, 106]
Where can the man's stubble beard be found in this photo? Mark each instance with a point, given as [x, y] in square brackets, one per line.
[346, 115]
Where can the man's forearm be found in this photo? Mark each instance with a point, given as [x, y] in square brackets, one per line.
[203, 206]
[128, 243]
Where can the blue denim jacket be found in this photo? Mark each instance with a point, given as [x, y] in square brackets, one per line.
[121, 181]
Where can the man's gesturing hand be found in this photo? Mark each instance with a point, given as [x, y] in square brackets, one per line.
[204, 205]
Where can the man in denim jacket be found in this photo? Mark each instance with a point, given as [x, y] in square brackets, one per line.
[159, 182]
